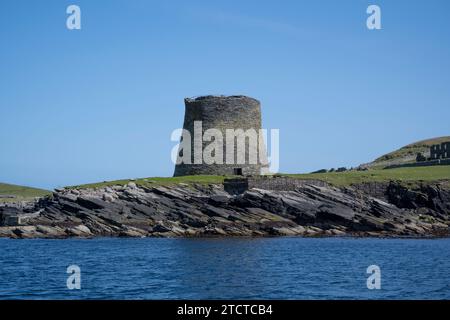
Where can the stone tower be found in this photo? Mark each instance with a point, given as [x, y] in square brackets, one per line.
[225, 114]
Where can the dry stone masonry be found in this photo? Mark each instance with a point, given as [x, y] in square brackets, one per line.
[222, 113]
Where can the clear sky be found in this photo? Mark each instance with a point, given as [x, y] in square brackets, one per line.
[100, 103]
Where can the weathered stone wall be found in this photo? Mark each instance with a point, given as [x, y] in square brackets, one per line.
[374, 189]
[14, 216]
[236, 186]
[438, 162]
[222, 113]
[274, 183]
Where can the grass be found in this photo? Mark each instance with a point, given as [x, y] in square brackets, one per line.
[412, 149]
[407, 175]
[20, 192]
[414, 174]
[156, 181]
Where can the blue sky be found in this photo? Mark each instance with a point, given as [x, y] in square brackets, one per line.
[100, 103]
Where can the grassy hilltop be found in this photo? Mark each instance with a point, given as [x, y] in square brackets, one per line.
[407, 153]
[407, 175]
[11, 192]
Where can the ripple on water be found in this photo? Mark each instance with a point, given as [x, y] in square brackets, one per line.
[272, 268]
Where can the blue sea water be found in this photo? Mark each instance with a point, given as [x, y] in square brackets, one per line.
[261, 268]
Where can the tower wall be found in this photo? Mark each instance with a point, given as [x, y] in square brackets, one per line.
[222, 113]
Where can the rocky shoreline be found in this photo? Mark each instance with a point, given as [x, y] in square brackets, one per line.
[194, 210]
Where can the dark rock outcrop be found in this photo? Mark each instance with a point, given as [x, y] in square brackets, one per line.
[378, 209]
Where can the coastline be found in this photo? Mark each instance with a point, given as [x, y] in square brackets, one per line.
[378, 210]
[215, 237]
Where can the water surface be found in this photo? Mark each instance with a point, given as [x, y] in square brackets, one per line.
[262, 268]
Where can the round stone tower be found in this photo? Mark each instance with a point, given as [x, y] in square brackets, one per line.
[228, 121]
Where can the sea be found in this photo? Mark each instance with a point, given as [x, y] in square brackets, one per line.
[225, 268]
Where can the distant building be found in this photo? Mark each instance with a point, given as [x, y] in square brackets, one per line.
[440, 151]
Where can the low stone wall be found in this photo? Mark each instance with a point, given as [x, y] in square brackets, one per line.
[275, 183]
[374, 189]
[14, 218]
[439, 162]
[236, 186]
[7, 196]
[9, 220]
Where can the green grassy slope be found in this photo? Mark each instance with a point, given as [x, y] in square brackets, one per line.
[19, 192]
[413, 174]
[409, 152]
[407, 175]
[156, 181]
